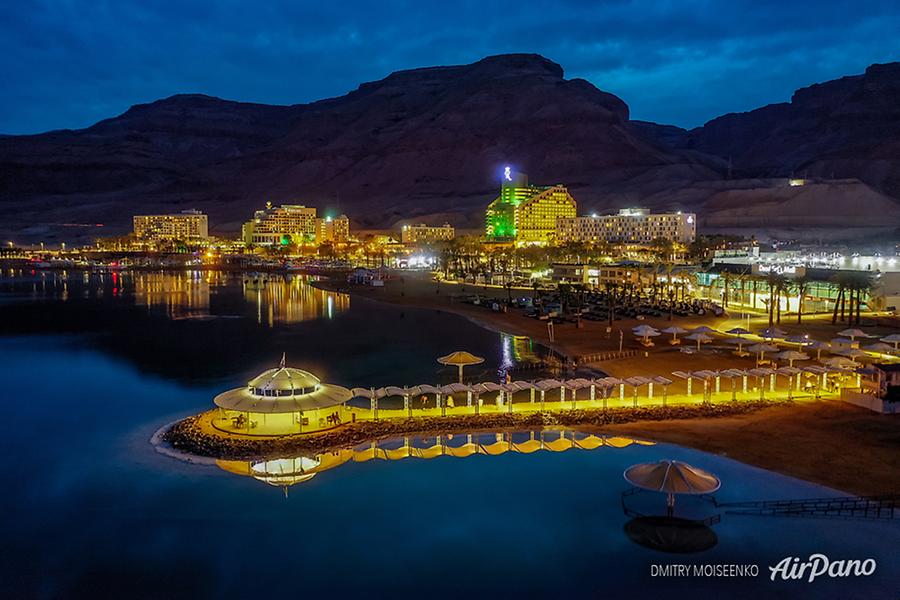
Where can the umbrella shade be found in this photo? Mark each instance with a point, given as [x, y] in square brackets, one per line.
[672, 477]
[762, 348]
[739, 331]
[645, 330]
[894, 338]
[703, 329]
[791, 356]
[798, 339]
[675, 329]
[851, 352]
[853, 333]
[698, 337]
[879, 347]
[838, 361]
[460, 358]
[772, 332]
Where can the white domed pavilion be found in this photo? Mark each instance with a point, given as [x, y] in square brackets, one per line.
[282, 401]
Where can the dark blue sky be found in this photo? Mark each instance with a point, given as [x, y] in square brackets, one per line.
[69, 63]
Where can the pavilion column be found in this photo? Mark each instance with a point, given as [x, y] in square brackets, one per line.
[650, 391]
[772, 382]
[469, 399]
[744, 377]
[690, 386]
[622, 392]
[477, 403]
[542, 400]
[562, 394]
[509, 404]
[718, 384]
[442, 405]
[733, 390]
[532, 395]
[799, 381]
[374, 404]
[406, 404]
[790, 386]
[634, 396]
[593, 391]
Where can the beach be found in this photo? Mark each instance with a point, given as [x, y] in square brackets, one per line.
[826, 441]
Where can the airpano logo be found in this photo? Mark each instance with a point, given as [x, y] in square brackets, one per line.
[819, 565]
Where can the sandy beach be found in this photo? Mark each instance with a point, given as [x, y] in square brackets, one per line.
[827, 442]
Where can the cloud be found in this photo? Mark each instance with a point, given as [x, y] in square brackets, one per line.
[69, 63]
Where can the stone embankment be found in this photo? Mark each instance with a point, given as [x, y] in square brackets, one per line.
[193, 436]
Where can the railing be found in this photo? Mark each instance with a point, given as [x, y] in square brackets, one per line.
[849, 507]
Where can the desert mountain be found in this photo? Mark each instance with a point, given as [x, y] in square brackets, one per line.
[426, 144]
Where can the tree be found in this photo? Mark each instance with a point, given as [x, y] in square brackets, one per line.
[801, 286]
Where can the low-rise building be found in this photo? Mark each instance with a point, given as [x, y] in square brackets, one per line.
[421, 233]
[630, 225]
[186, 225]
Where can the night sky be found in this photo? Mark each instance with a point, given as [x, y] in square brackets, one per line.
[67, 64]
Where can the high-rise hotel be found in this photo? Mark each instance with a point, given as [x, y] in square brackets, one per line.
[526, 214]
[630, 225]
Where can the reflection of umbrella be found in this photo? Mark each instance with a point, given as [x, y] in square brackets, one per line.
[762, 349]
[674, 330]
[739, 331]
[770, 333]
[700, 338]
[818, 347]
[672, 477]
[791, 356]
[671, 534]
[460, 359]
[894, 339]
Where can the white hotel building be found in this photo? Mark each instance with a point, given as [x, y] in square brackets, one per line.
[630, 225]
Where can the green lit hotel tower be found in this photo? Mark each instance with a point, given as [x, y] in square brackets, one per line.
[524, 213]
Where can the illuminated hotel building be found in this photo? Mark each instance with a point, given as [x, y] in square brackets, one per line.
[421, 233]
[630, 225]
[285, 224]
[186, 225]
[335, 231]
[524, 213]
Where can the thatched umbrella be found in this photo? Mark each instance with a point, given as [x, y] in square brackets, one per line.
[672, 477]
[460, 359]
[739, 331]
[854, 333]
[761, 349]
[645, 332]
[674, 330]
[700, 338]
[818, 347]
[894, 339]
[791, 356]
[771, 333]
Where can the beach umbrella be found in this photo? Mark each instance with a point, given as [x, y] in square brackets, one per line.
[703, 329]
[770, 333]
[700, 338]
[739, 331]
[791, 356]
[851, 353]
[818, 347]
[761, 349]
[838, 361]
[738, 341]
[879, 348]
[854, 333]
[802, 339]
[674, 330]
[460, 359]
[672, 477]
[894, 339]
[645, 332]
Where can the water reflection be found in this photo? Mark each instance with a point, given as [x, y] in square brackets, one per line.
[672, 535]
[288, 300]
[180, 294]
[289, 471]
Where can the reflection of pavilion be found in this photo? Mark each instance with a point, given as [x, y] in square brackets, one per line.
[284, 472]
[287, 300]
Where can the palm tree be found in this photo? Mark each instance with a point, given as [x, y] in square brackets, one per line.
[801, 286]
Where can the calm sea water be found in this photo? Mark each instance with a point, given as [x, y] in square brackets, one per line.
[92, 366]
